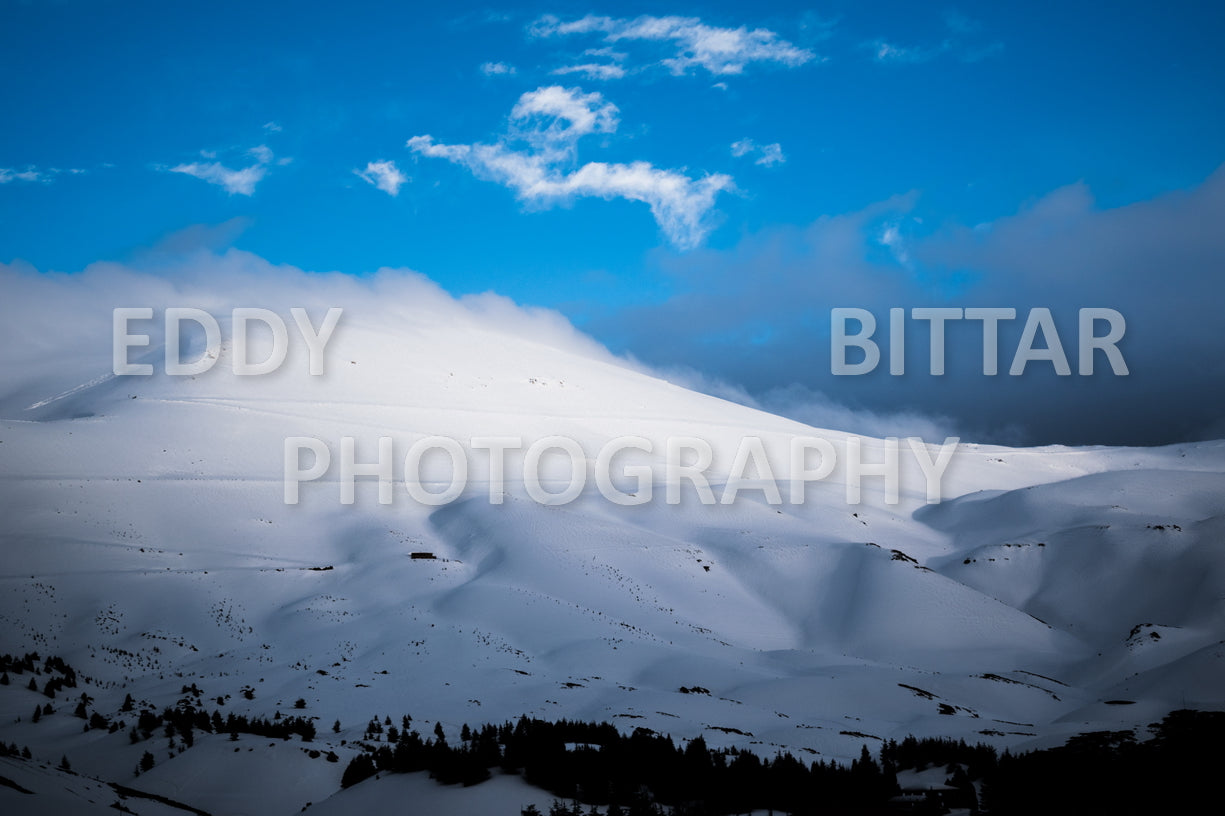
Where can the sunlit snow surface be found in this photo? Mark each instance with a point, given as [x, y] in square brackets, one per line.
[145, 539]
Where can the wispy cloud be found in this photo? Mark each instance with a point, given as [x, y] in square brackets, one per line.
[592, 70]
[197, 266]
[262, 154]
[384, 175]
[766, 155]
[716, 49]
[607, 52]
[534, 158]
[241, 181]
[961, 31]
[29, 174]
[32, 173]
[888, 52]
[497, 69]
[612, 66]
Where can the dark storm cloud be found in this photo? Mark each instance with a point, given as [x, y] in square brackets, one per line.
[755, 319]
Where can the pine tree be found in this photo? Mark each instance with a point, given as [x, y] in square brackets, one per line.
[38, 714]
[147, 761]
[359, 768]
[64, 766]
[336, 727]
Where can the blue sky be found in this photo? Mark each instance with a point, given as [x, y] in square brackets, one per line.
[647, 168]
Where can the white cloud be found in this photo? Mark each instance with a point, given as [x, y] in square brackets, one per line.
[497, 68]
[592, 70]
[961, 31]
[892, 239]
[612, 69]
[888, 52]
[32, 173]
[384, 175]
[241, 181]
[716, 49]
[272, 127]
[187, 268]
[261, 154]
[551, 121]
[585, 113]
[766, 155]
[606, 53]
[29, 174]
[771, 155]
[234, 181]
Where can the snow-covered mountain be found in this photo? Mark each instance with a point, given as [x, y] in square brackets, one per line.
[146, 540]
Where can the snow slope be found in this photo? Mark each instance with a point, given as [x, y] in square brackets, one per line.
[145, 539]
